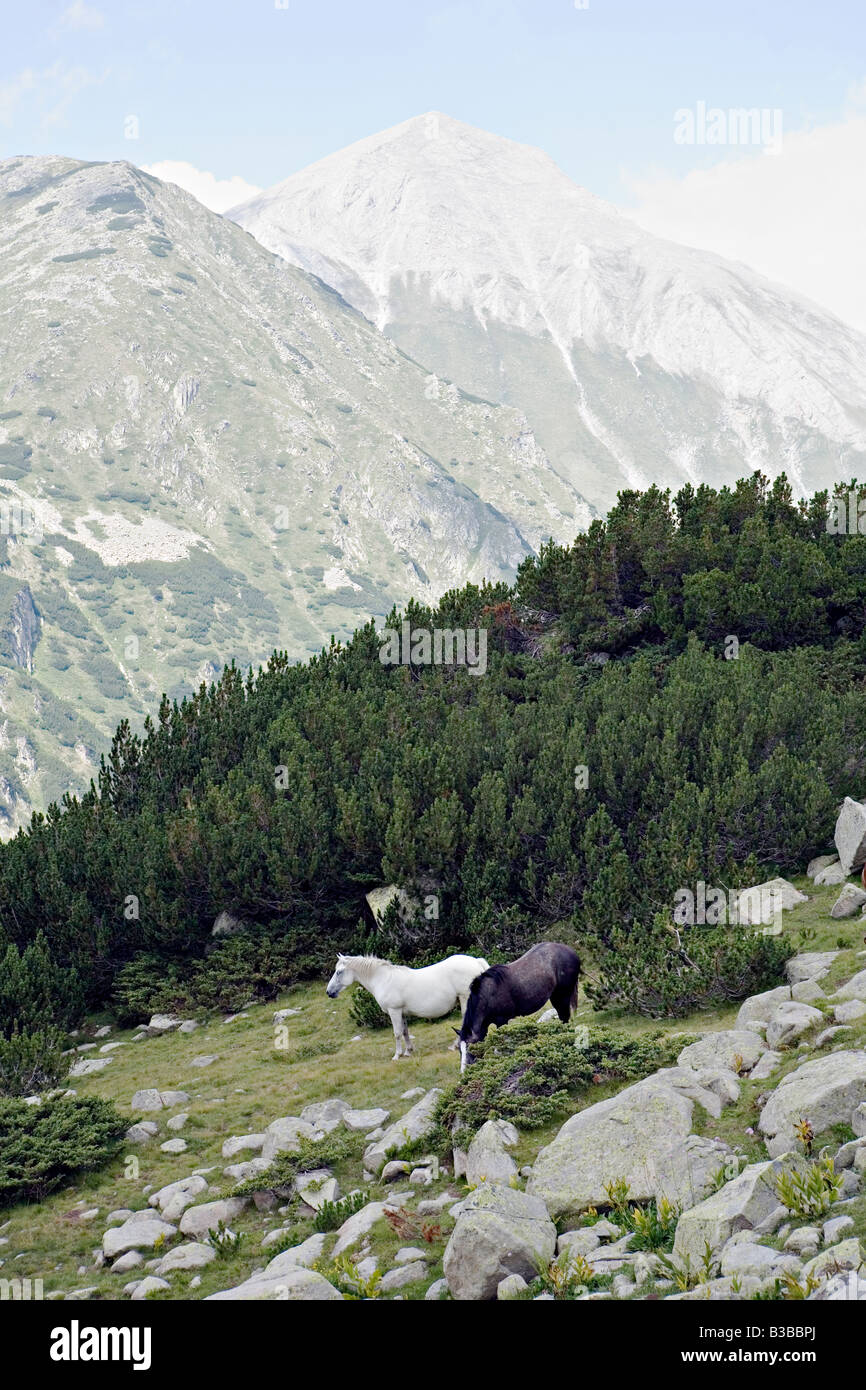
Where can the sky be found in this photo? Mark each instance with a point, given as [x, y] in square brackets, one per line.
[631, 98]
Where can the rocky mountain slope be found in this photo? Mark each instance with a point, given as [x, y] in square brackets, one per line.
[205, 454]
[635, 360]
[506, 1213]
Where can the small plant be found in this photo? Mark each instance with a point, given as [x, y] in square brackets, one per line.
[805, 1135]
[684, 1276]
[332, 1214]
[653, 1225]
[812, 1193]
[568, 1276]
[410, 1227]
[226, 1244]
[343, 1273]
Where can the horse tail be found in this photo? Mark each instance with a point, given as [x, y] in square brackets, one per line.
[572, 1003]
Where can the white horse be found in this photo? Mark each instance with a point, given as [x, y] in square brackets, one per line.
[429, 992]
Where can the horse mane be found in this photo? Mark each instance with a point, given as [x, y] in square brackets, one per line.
[362, 965]
[495, 972]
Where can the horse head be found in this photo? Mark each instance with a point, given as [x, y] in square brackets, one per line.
[342, 976]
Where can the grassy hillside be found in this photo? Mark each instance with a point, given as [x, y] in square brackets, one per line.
[252, 1083]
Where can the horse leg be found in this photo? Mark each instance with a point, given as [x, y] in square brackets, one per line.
[561, 1001]
[407, 1039]
[463, 999]
[396, 1017]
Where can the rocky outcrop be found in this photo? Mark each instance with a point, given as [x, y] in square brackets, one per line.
[415, 1124]
[850, 835]
[741, 1204]
[619, 1138]
[826, 1091]
[498, 1232]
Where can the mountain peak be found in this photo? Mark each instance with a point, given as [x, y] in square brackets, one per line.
[634, 359]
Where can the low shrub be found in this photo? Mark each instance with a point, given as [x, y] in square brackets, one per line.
[42, 1147]
[527, 1072]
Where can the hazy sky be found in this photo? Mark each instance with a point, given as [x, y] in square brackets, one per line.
[251, 90]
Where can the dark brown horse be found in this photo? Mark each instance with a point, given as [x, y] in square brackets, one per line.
[549, 970]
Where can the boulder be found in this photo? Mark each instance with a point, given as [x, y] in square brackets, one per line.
[811, 965]
[363, 1121]
[832, 876]
[854, 989]
[172, 1098]
[844, 1287]
[174, 1198]
[849, 1011]
[243, 1143]
[723, 1048]
[178, 1121]
[789, 1022]
[849, 902]
[405, 1274]
[807, 992]
[88, 1065]
[301, 1256]
[226, 925]
[510, 1287]
[397, 1168]
[617, 1138]
[317, 1187]
[146, 1100]
[140, 1231]
[687, 1173]
[765, 1068]
[499, 1232]
[833, 1228]
[284, 1135]
[759, 1260]
[150, 1284]
[326, 1114]
[124, 1263]
[825, 1091]
[823, 861]
[380, 899]
[850, 835]
[141, 1133]
[197, 1221]
[858, 1120]
[174, 1146]
[162, 1023]
[488, 1159]
[415, 1124]
[760, 1007]
[192, 1255]
[357, 1225]
[294, 1286]
[846, 1255]
[742, 1204]
[764, 903]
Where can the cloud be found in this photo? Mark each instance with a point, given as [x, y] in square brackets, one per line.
[797, 217]
[217, 194]
[53, 88]
[80, 16]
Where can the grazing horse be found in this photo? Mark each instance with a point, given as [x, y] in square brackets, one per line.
[549, 970]
[429, 992]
